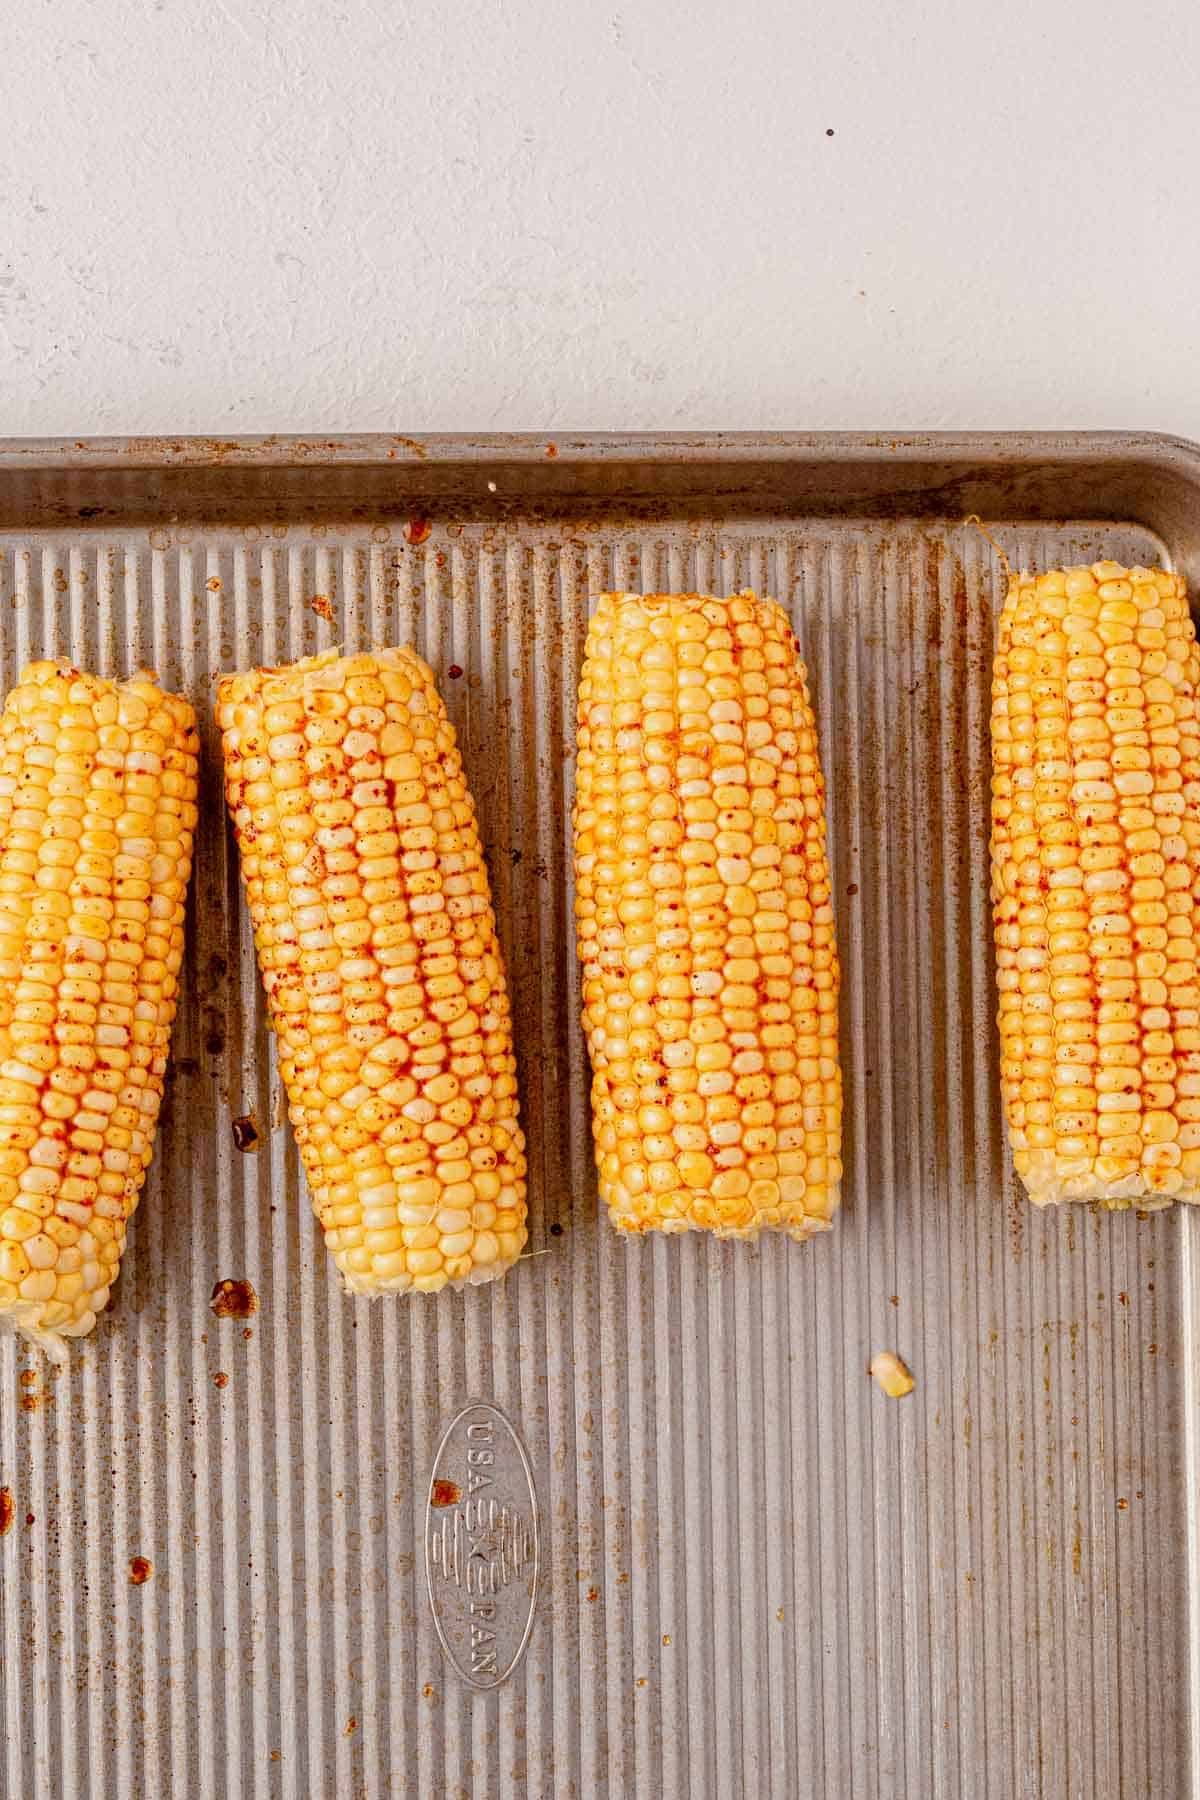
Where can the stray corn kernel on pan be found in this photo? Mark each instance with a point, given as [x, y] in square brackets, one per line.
[235, 1510]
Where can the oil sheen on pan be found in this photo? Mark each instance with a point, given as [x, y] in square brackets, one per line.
[481, 1545]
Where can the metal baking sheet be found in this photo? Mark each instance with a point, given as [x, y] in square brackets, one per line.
[755, 1574]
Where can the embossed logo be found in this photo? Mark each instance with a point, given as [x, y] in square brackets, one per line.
[481, 1545]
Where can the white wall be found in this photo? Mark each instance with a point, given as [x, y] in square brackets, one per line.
[243, 215]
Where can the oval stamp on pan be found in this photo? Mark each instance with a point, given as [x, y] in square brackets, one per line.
[481, 1545]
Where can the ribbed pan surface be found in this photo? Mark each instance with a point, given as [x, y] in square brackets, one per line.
[760, 1577]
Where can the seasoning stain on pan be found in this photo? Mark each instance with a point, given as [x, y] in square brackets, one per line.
[8, 1511]
[234, 1299]
[140, 1570]
[246, 1135]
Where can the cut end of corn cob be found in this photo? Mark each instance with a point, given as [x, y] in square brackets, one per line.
[97, 814]
[377, 942]
[704, 923]
[1095, 878]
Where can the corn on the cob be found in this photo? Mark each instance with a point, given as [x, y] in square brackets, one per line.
[377, 943]
[97, 812]
[1095, 877]
[705, 929]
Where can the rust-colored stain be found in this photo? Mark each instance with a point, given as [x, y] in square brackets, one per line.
[32, 1401]
[213, 584]
[220, 1379]
[445, 1493]
[1122, 1506]
[641, 1681]
[428, 1690]
[249, 1332]
[140, 1570]
[592, 1594]
[234, 1299]
[246, 1135]
[667, 1638]
[322, 606]
[1123, 1299]
[351, 1726]
[417, 530]
[551, 450]
[852, 889]
[8, 1511]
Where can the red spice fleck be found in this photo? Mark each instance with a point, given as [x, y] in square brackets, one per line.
[321, 605]
[852, 889]
[1122, 1506]
[895, 1299]
[213, 584]
[7, 1511]
[417, 530]
[428, 1690]
[234, 1299]
[245, 1133]
[551, 450]
[454, 671]
[445, 1493]
[29, 1518]
[28, 1378]
[140, 1570]
[249, 1332]
[351, 1725]
[1124, 1299]
[593, 1594]
[220, 1379]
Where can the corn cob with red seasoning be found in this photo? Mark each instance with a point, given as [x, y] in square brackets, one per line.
[1095, 880]
[97, 813]
[704, 923]
[377, 943]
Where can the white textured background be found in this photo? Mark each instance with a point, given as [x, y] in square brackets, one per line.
[245, 215]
